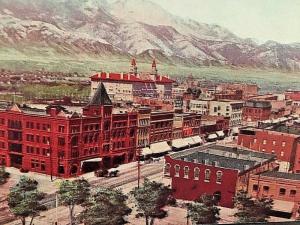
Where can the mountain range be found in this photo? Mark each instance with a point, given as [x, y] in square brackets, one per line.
[138, 28]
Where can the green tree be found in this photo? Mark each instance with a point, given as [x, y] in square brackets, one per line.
[24, 199]
[252, 210]
[150, 200]
[105, 207]
[72, 193]
[204, 210]
[3, 175]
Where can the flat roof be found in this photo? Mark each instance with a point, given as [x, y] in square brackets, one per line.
[293, 129]
[223, 156]
[276, 174]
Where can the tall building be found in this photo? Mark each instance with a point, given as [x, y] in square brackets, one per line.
[65, 144]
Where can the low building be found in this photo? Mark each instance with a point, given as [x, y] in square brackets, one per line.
[279, 139]
[229, 94]
[199, 106]
[216, 170]
[213, 124]
[227, 108]
[283, 188]
[256, 110]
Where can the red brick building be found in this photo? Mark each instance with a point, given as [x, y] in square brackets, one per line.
[216, 170]
[256, 110]
[229, 94]
[55, 141]
[283, 188]
[279, 140]
[212, 124]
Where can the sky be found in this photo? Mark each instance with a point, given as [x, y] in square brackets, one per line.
[263, 20]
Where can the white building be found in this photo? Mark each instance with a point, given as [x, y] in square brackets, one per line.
[199, 106]
[228, 108]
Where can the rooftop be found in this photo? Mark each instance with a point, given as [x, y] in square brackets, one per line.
[276, 174]
[225, 157]
[293, 129]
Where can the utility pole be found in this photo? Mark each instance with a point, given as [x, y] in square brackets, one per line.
[139, 166]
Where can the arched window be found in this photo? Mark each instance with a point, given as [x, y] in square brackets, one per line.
[196, 173]
[219, 177]
[186, 170]
[207, 175]
[177, 169]
[167, 169]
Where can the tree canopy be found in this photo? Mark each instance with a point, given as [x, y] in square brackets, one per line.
[252, 210]
[24, 199]
[105, 207]
[150, 200]
[3, 175]
[204, 210]
[72, 193]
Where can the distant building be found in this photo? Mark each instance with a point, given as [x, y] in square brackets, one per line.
[227, 108]
[199, 106]
[126, 86]
[256, 110]
[216, 170]
[283, 188]
[279, 139]
[229, 94]
[248, 90]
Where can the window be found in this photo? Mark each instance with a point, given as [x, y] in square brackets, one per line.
[177, 169]
[61, 141]
[281, 154]
[196, 173]
[266, 189]
[282, 191]
[264, 141]
[293, 193]
[219, 177]
[283, 144]
[274, 142]
[186, 172]
[207, 175]
[167, 169]
[61, 129]
[255, 187]
[43, 166]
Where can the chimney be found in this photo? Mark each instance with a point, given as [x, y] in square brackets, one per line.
[122, 76]
[99, 75]
[107, 75]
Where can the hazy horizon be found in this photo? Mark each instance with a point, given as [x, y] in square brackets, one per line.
[262, 20]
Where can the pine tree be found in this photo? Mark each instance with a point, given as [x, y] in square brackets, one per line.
[3, 175]
[252, 210]
[24, 199]
[150, 199]
[204, 210]
[105, 207]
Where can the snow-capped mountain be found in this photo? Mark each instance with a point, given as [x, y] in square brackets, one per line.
[132, 27]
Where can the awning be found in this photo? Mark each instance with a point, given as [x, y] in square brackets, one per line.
[179, 143]
[283, 206]
[91, 160]
[220, 133]
[146, 151]
[212, 136]
[160, 147]
[190, 140]
[197, 139]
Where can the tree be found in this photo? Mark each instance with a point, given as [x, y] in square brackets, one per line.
[24, 199]
[252, 210]
[72, 193]
[3, 175]
[204, 210]
[150, 200]
[105, 207]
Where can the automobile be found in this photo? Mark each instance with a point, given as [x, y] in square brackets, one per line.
[113, 172]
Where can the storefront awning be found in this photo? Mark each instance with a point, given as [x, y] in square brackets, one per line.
[160, 147]
[197, 139]
[212, 136]
[91, 160]
[235, 130]
[146, 151]
[283, 206]
[220, 133]
[189, 140]
[179, 143]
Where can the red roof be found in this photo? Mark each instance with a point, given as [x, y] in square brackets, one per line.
[128, 78]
